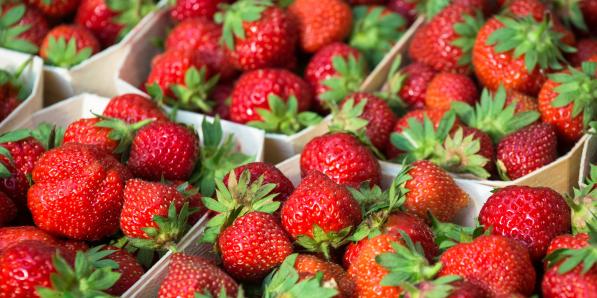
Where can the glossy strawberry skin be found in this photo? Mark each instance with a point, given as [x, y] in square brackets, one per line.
[341, 157]
[253, 245]
[465, 289]
[186, 9]
[380, 116]
[446, 88]
[8, 209]
[269, 41]
[85, 131]
[585, 49]
[132, 108]
[130, 270]
[188, 275]
[221, 95]
[56, 8]
[77, 192]
[25, 154]
[83, 37]
[164, 150]
[530, 215]
[528, 149]
[35, 20]
[496, 263]
[97, 17]
[309, 265]
[414, 88]
[524, 103]
[416, 229]
[317, 200]
[10, 236]
[271, 174]
[568, 241]
[253, 88]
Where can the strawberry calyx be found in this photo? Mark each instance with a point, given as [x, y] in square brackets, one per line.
[194, 93]
[323, 242]
[351, 72]
[448, 234]
[121, 132]
[467, 32]
[91, 276]
[584, 205]
[285, 282]
[129, 13]
[12, 80]
[64, 53]
[284, 117]
[375, 30]
[537, 41]
[571, 13]
[234, 15]
[10, 31]
[440, 287]
[458, 154]
[395, 82]
[429, 8]
[492, 116]
[236, 198]
[568, 259]
[578, 87]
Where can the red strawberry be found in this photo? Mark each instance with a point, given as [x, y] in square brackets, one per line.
[465, 289]
[445, 42]
[353, 249]
[254, 89]
[55, 9]
[221, 95]
[341, 157]
[589, 11]
[309, 266]
[334, 72]
[568, 241]
[253, 245]
[75, 245]
[164, 150]
[320, 213]
[406, 8]
[10, 236]
[266, 39]
[530, 215]
[188, 275]
[416, 229]
[496, 263]
[77, 192]
[60, 43]
[526, 150]
[29, 20]
[203, 36]
[130, 270]
[446, 88]
[585, 49]
[8, 209]
[271, 174]
[321, 22]
[186, 9]
[86, 131]
[132, 108]
[413, 81]
[524, 103]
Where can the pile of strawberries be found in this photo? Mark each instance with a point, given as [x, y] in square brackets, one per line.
[12, 90]
[123, 181]
[67, 32]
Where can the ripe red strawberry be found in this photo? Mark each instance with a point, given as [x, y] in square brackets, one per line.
[86, 131]
[132, 108]
[320, 213]
[55, 9]
[188, 275]
[130, 270]
[75, 245]
[565, 103]
[10, 236]
[321, 22]
[264, 245]
[221, 95]
[334, 72]
[271, 174]
[496, 263]
[68, 45]
[524, 103]
[526, 150]
[26, 19]
[164, 150]
[446, 88]
[568, 241]
[416, 229]
[77, 192]
[530, 215]
[341, 157]
[186, 9]
[589, 12]
[585, 49]
[8, 209]
[204, 36]
[412, 82]
[309, 266]
[406, 8]
[445, 42]
[267, 38]
[254, 89]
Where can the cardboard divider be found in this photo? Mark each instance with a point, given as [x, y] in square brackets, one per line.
[588, 157]
[33, 80]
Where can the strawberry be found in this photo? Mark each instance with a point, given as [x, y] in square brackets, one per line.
[110, 21]
[530, 215]
[320, 213]
[186, 9]
[154, 215]
[334, 72]
[526, 150]
[520, 64]
[582, 204]
[8, 209]
[486, 149]
[10, 236]
[342, 157]
[257, 34]
[188, 275]
[184, 77]
[128, 267]
[498, 264]
[68, 45]
[24, 27]
[132, 108]
[523, 103]
[411, 83]
[309, 265]
[585, 49]
[75, 245]
[321, 22]
[568, 241]
[445, 42]
[264, 244]
[257, 90]
[164, 150]
[55, 9]
[406, 8]
[271, 174]
[446, 88]
[566, 103]
[77, 192]
[221, 95]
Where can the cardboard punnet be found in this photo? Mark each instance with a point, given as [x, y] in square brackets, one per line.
[148, 287]
[33, 80]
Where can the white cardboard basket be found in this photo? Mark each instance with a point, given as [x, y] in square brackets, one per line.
[32, 77]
